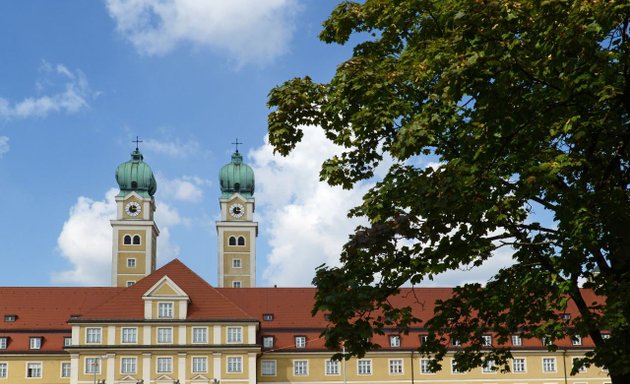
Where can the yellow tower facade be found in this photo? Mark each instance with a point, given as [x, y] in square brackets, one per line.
[237, 230]
[134, 229]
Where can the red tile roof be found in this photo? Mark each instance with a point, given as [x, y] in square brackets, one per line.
[206, 302]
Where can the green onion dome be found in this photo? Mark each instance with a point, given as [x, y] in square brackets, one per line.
[236, 177]
[136, 176]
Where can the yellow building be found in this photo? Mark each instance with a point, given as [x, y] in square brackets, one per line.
[170, 326]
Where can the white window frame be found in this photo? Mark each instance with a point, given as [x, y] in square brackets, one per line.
[548, 362]
[300, 342]
[4, 341]
[454, 369]
[268, 341]
[456, 343]
[4, 369]
[131, 262]
[166, 310]
[197, 363]
[199, 335]
[364, 367]
[161, 334]
[125, 336]
[127, 362]
[524, 365]
[236, 284]
[93, 335]
[65, 367]
[488, 367]
[300, 367]
[35, 342]
[332, 368]
[396, 367]
[236, 263]
[40, 369]
[163, 362]
[67, 341]
[576, 340]
[517, 340]
[582, 368]
[394, 341]
[92, 365]
[234, 335]
[486, 340]
[424, 367]
[129, 283]
[234, 364]
[268, 367]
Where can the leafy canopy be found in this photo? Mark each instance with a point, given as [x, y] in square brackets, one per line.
[525, 104]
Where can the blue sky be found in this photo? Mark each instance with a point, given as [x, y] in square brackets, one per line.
[80, 79]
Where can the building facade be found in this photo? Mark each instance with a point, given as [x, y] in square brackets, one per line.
[167, 325]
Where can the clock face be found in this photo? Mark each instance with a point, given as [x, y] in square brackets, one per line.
[237, 210]
[133, 209]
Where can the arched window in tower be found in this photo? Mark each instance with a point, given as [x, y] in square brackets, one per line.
[136, 240]
[127, 240]
[134, 184]
[237, 187]
[241, 240]
[232, 240]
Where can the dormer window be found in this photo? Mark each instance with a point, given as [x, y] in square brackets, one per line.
[35, 343]
[165, 310]
[268, 316]
[3, 342]
[394, 341]
[300, 341]
[10, 318]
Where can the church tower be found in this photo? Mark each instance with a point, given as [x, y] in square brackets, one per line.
[134, 229]
[236, 230]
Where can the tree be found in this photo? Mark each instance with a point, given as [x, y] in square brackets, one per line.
[526, 106]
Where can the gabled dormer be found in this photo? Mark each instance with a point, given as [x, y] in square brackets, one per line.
[165, 300]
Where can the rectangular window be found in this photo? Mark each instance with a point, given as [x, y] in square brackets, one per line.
[4, 368]
[236, 263]
[67, 341]
[131, 263]
[488, 367]
[234, 364]
[66, 369]
[394, 341]
[300, 367]
[93, 335]
[35, 342]
[456, 343]
[364, 367]
[236, 284]
[268, 367]
[92, 365]
[549, 364]
[424, 339]
[332, 367]
[164, 364]
[486, 340]
[165, 335]
[10, 318]
[546, 341]
[300, 341]
[268, 316]
[424, 366]
[3, 343]
[268, 342]
[130, 283]
[200, 335]
[518, 365]
[454, 368]
[576, 340]
[199, 364]
[396, 367]
[129, 335]
[128, 365]
[165, 310]
[235, 335]
[517, 340]
[582, 368]
[34, 370]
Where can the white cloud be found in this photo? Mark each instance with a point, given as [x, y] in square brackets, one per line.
[247, 31]
[185, 188]
[171, 148]
[70, 96]
[4, 145]
[86, 240]
[305, 219]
